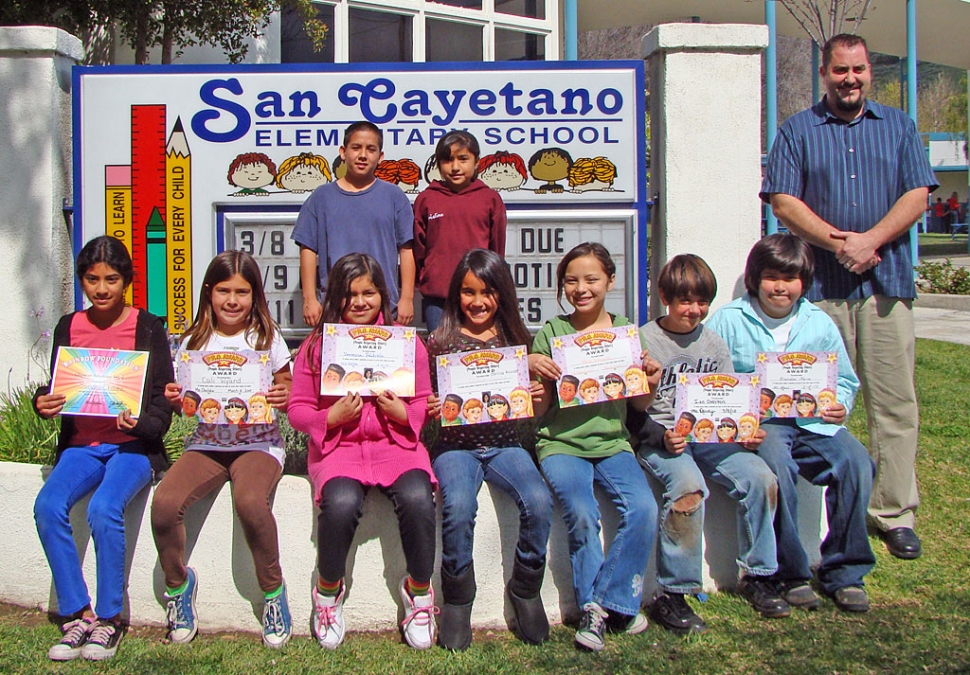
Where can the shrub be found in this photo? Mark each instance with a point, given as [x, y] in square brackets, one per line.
[25, 436]
[943, 277]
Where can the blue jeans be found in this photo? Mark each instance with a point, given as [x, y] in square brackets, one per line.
[746, 478]
[433, 309]
[841, 464]
[115, 477]
[616, 581]
[460, 474]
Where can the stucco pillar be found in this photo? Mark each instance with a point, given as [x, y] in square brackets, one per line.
[35, 163]
[705, 116]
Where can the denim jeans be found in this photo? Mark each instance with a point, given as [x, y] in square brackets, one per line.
[460, 474]
[433, 309]
[616, 581]
[746, 478]
[843, 466]
[341, 506]
[115, 478]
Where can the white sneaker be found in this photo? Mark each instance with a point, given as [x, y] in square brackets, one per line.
[327, 621]
[418, 624]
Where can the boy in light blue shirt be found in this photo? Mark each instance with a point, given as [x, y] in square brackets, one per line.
[773, 316]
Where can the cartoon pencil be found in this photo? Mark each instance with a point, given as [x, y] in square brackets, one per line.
[117, 207]
[178, 207]
[147, 187]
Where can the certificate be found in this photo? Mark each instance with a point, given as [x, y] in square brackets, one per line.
[99, 382]
[717, 407]
[599, 365]
[226, 387]
[485, 385]
[797, 384]
[367, 359]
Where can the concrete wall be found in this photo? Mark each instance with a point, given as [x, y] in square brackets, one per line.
[705, 116]
[229, 597]
[35, 162]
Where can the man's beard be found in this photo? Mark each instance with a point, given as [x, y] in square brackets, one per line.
[850, 106]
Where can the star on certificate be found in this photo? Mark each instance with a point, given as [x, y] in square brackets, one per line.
[409, 334]
[755, 380]
[264, 358]
[762, 357]
[185, 357]
[832, 357]
[520, 353]
[682, 379]
[557, 343]
[443, 361]
[331, 329]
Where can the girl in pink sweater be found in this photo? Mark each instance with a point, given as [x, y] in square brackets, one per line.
[358, 442]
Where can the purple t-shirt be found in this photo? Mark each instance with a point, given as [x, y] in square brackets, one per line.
[377, 221]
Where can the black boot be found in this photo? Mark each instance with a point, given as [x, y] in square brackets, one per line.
[455, 622]
[531, 623]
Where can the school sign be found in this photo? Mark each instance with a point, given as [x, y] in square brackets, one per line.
[182, 162]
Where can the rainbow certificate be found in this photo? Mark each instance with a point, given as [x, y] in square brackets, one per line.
[226, 387]
[599, 365]
[367, 359]
[797, 384]
[484, 385]
[717, 407]
[99, 382]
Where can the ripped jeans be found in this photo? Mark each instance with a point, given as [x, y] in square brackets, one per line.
[746, 478]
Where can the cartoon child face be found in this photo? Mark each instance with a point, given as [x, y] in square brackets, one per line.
[634, 382]
[703, 432]
[473, 413]
[765, 402]
[450, 410]
[252, 176]
[502, 177]
[826, 399]
[590, 393]
[330, 380]
[805, 407]
[726, 433]
[551, 166]
[234, 412]
[520, 405]
[683, 427]
[498, 409]
[567, 391]
[257, 409]
[745, 429]
[303, 178]
[613, 389]
[210, 411]
[189, 406]
[783, 406]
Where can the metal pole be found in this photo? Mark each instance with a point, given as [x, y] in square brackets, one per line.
[771, 94]
[571, 24]
[911, 97]
[816, 94]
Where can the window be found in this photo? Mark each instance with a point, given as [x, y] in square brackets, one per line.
[380, 37]
[513, 45]
[295, 46]
[534, 9]
[452, 41]
[470, 4]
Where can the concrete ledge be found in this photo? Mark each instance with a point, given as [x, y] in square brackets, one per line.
[40, 40]
[229, 597]
[960, 303]
[722, 37]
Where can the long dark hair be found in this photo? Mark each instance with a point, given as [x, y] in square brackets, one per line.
[492, 271]
[107, 250]
[223, 267]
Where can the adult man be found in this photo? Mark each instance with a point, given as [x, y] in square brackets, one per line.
[851, 177]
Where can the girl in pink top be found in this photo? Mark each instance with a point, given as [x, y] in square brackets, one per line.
[358, 442]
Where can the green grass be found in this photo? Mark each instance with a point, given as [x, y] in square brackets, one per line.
[919, 622]
[940, 245]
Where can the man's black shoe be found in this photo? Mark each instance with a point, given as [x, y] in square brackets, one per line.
[673, 613]
[764, 597]
[903, 543]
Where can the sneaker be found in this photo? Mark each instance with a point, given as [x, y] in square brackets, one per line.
[763, 595]
[73, 636]
[592, 627]
[799, 594]
[277, 625]
[418, 624]
[103, 642]
[182, 619]
[624, 623]
[851, 599]
[672, 612]
[327, 620]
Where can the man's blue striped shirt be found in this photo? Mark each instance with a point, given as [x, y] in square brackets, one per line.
[851, 174]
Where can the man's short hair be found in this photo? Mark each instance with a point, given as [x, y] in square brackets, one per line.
[364, 125]
[844, 40]
[785, 253]
[686, 276]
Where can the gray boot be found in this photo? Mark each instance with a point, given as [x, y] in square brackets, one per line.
[455, 622]
[531, 623]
